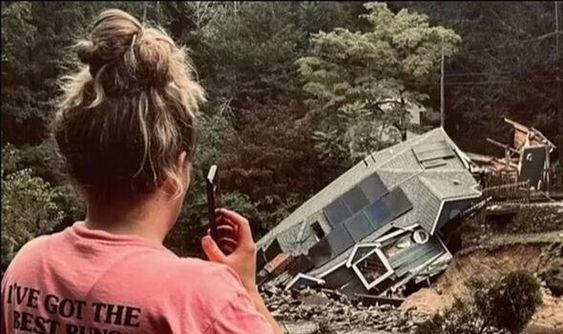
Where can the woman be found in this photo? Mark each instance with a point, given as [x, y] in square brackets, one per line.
[125, 130]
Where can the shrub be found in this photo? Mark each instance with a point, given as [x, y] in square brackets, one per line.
[518, 295]
[508, 304]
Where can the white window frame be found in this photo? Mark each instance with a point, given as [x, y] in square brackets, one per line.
[370, 285]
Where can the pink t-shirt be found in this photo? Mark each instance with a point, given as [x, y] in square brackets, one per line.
[83, 281]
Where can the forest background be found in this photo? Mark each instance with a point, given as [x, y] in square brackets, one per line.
[298, 93]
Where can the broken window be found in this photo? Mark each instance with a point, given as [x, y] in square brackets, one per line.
[373, 268]
[273, 250]
[260, 259]
[318, 230]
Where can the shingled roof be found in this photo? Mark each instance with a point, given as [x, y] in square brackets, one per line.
[440, 177]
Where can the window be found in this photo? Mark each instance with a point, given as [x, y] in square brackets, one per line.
[318, 230]
[373, 268]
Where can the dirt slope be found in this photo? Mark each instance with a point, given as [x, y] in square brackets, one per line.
[534, 253]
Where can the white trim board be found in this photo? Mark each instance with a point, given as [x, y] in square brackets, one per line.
[305, 276]
[332, 269]
[355, 250]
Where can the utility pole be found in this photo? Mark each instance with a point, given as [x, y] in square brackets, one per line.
[145, 13]
[442, 95]
[558, 64]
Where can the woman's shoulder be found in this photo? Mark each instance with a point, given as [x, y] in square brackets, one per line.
[207, 286]
[34, 246]
[206, 273]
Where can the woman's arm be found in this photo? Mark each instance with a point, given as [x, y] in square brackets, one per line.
[242, 261]
[262, 309]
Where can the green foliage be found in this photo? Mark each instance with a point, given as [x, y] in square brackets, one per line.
[274, 161]
[275, 148]
[212, 131]
[28, 206]
[363, 83]
[508, 304]
[518, 295]
[504, 69]
[250, 47]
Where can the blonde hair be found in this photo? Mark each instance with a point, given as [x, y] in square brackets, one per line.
[129, 111]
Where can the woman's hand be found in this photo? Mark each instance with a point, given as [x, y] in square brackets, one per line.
[243, 259]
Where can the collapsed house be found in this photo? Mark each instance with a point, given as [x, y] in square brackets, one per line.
[527, 160]
[377, 227]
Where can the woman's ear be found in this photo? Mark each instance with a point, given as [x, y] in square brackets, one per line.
[183, 165]
[179, 182]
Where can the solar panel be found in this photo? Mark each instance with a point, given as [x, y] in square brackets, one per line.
[336, 212]
[355, 199]
[373, 188]
[434, 150]
[358, 226]
[378, 214]
[339, 240]
[397, 202]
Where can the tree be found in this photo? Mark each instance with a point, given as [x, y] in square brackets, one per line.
[28, 206]
[362, 83]
[504, 69]
[213, 132]
[252, 46]
[273, 160]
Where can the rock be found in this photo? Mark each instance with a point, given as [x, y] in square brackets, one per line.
[315, 299]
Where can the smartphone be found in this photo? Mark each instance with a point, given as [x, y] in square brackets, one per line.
[221, 231]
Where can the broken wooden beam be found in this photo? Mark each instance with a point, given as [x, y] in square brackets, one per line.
[505, 146]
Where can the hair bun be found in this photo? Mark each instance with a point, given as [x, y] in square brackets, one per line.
[153, 56]
[85, 51]
[111, 38]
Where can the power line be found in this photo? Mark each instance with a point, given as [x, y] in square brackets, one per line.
[498, 82]
[477, 74]
[522, 42]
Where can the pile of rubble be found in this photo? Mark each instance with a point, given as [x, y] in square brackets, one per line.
[337, 312]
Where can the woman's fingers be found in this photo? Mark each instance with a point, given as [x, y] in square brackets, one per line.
[243, 227]
[211, 250]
